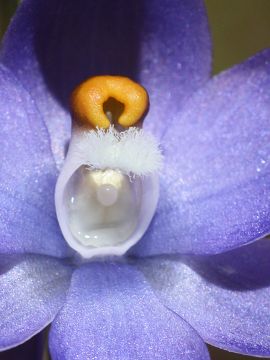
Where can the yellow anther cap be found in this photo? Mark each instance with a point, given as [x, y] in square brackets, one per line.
[88, 99]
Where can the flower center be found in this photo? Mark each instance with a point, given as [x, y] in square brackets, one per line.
[107, 191]
[103, 207]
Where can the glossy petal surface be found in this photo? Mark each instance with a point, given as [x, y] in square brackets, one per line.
[53, 45]
[215, 187]
[32, 290]
[225, 297]
[28, 175]
[111, 313]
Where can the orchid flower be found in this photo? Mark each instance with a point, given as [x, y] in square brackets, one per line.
[200, 270]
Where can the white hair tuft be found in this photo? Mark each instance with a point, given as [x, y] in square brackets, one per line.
[133, 151]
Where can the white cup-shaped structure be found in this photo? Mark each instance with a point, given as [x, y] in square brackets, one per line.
[102, 212]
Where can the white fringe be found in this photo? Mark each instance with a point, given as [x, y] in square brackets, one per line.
[133, 151]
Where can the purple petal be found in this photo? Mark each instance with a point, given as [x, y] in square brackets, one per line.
[225, 297]
[54, 45]
[28, 175]
[215, 192]
[111, 313]
[32, 290]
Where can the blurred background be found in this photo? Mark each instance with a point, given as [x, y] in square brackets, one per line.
[239, 29]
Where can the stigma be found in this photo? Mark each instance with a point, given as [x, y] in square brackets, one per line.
[108, 186]
[108, 189]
